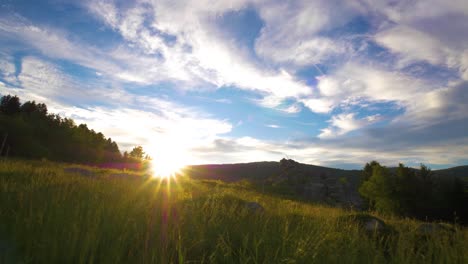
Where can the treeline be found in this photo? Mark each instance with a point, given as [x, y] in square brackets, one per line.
[414, 193]
[28, 130]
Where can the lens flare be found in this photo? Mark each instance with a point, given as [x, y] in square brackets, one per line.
[170, 154]
[166, 169]
[168, 164]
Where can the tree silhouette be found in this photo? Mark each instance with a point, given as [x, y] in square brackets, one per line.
[33, 133]
[10, 105]
[415, 193]
[137, 153]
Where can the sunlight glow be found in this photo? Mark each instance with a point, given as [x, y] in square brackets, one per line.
[168, 162]
[166, 169]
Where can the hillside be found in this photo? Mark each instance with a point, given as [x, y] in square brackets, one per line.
[263, 170]
[290, 179]
[57, 213]
[300, 181]
[256, 171]
[233, 172]
[459, 171]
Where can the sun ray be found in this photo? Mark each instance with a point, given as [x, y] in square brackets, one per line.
[168, 162]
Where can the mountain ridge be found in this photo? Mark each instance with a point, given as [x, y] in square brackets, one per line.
[258, 169]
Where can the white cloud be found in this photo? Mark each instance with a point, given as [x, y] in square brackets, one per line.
[180, 42]
[130, 77]
[43, 77]
[327, 153]
[415, 45]
[43, 81]
[200, 53]
[328, 86]
[424, 103]
[54, 43]
[344, 123]
[304, 52]
[354, 82]
[410, 11]
[464, 65]
[139, 120]
[156, 132]
[292, 30]
[7, 69]
[319, 105]
[292, 109]
[121, 62]
[433, 31]
[107, 11]
[373, 118]
[373, 82]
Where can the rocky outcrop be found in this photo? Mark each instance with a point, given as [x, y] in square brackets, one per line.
[317, 185]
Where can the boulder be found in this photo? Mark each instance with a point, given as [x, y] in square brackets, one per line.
[368, 223]
[254, 207]
[373, 224]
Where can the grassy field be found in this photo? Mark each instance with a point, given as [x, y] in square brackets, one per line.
[48, 215]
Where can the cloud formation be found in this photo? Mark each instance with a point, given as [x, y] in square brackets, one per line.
[380, 79]
[136, 120]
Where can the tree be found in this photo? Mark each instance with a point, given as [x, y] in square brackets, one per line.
[425, 172]
[365, 176]
[406, 186]
[368, 169]
[33, 133]
[412, 193]
[137, 153]
[10, 105]
[379, 190]
[29, 107]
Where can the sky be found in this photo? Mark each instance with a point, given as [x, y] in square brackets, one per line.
[325, 82]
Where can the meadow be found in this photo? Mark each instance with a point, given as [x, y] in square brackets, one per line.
[51, 214]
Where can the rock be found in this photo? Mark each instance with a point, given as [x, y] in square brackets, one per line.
[254, 207]
[80, 171]
[374, 224]
[369, 223]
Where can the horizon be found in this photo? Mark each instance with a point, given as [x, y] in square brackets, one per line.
[329, 167]
[325, 83]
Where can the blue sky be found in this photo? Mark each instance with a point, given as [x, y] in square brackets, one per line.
[333, 83]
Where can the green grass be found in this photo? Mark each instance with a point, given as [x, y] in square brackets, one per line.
[49, 216]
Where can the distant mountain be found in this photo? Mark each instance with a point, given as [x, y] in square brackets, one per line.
[234, 172]
[459, 171]
[288, 177]
[302, 181]
[255, 171]
[266, 169]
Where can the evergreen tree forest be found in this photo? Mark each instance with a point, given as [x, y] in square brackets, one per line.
[28, 130]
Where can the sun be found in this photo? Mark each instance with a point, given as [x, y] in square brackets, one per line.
[168, 163]
[166, 169]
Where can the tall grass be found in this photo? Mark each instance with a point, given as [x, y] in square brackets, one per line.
[49, 216]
